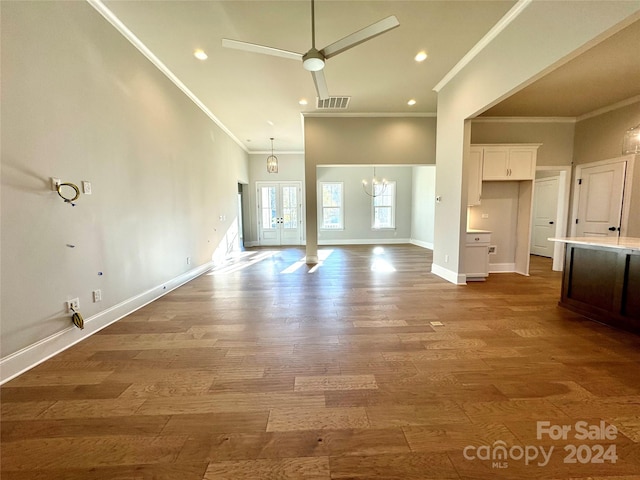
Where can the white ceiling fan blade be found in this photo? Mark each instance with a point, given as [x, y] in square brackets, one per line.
[321, 84]
[360, 36]
[255, 48]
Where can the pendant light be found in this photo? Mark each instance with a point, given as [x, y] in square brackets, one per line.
[631, 142]
[374, 183]
[272, 161]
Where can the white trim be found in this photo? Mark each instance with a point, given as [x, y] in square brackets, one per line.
[19, 362]
[392, 207]
[523, 120]
[364, 241]
[136, 42]
[371, 114]
[420, 243]
[321, 226]
[509, 17]
[615, 106]
[502, 267]
[449, 275]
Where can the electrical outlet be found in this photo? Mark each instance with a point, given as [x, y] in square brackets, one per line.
[55, 182]
[74, 304]
[86, 188]
[97, 296]
[188, 260]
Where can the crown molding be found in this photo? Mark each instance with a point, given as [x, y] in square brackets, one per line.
[103, 10]
[523, 120]
[503, 23]
[615, 106]
[370, 115]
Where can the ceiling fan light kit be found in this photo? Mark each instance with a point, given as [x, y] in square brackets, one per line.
[314, 60]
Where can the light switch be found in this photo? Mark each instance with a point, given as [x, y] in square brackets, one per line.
[86, 188]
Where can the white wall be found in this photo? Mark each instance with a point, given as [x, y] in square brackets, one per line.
[423, 205]
[79, 102]
[543, 36]
[358, 205]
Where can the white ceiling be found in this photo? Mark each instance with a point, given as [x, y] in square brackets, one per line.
[256, 96]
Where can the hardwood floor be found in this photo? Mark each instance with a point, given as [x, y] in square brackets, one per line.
[267, 369]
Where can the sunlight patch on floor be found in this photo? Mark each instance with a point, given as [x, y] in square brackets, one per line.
[322, 256]
[241, 261]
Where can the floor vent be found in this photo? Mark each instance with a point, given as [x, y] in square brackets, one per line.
[333, 103]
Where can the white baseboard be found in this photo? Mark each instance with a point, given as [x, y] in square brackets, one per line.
[502, 267]
[449, 275]
[19, 362]
[365, 241]
[422, 244]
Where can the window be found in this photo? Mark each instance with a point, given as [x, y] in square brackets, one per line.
[384, 206]
[332, 205]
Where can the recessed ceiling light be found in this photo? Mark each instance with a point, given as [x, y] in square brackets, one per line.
[421, 56]
[411, 102]
[200, 54]
[303, 101]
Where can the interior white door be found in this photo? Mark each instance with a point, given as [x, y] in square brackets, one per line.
[600, 200]
[545, 212]
[279, 213]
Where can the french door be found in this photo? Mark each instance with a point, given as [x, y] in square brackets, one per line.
[279, 213]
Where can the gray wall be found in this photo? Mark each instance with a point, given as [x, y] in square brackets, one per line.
[357, 205]
[556, 137]
[79, 102]
[360, 141]
[600, 138]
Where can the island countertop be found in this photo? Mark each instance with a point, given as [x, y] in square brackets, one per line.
[627, 243]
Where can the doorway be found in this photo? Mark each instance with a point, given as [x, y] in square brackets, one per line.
[279, 216]
[602, 196]
[556, 211]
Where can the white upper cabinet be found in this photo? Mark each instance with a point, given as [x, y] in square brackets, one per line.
[508, 162]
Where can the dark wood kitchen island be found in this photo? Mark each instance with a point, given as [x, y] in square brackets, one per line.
[601, 279]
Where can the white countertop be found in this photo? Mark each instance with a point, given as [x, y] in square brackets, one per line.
[474, 230]
[630, 243]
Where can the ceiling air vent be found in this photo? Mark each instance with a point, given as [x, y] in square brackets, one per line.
[333, 103]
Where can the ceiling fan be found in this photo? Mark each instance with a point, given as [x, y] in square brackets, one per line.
[314, 60]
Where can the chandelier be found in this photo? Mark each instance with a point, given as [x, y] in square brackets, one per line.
[378, 187]
[272, 161]
[631, 142]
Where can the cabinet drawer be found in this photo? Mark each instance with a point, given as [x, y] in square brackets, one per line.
[478, 238]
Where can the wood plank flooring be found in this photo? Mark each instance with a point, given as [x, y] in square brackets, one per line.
[268, 369]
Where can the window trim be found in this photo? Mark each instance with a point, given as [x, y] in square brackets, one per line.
[393, 207]
[322, 206]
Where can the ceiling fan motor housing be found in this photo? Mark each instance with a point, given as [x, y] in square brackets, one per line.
[313, 60]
